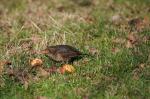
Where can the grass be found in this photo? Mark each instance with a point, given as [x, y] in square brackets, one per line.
[26, 25]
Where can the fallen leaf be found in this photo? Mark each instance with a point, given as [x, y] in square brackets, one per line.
[139, 23]
[36, 62]
[135, 21]
[68, 68]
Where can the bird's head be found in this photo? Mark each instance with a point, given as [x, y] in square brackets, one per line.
[45, 51]
[49, 50]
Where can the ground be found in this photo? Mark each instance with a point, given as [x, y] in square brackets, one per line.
[116, 33]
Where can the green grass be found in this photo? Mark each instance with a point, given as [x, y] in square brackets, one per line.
[109, 75]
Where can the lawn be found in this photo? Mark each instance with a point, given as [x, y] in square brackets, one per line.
[115, 33]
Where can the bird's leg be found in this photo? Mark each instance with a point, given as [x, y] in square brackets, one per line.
[70, 61]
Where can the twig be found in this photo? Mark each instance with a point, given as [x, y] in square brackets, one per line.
[35, 25]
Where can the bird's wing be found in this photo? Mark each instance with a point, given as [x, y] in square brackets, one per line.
[66, 48]
[69, 54]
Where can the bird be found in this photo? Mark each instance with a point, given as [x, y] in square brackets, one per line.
[62, 53]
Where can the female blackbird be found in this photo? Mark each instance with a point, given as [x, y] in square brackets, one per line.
[62, 53]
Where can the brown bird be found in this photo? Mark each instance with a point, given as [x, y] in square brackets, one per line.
[62, 53]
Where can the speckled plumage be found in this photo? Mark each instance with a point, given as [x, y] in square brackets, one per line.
[62, 53]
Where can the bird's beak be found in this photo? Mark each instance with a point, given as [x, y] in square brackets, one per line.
[44, 51]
